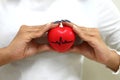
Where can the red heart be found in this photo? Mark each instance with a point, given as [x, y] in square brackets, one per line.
[61, 38]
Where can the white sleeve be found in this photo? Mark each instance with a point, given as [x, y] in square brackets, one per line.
[109, 23]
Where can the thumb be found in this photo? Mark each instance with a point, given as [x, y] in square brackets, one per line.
[75, 49]
[44, 47]
[81, 49]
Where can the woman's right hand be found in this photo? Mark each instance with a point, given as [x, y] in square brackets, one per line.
[24, 45]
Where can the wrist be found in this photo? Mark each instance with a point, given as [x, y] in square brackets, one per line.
[113, 61]
[4, 56]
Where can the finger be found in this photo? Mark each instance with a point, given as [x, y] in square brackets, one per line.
[76, 29]
[42, 29]
[37, 27]
[48, 26]
[51, 25]
[81, 32]
[84, 32]
[70, 24]
[26, 28]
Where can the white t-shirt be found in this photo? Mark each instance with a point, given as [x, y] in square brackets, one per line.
[101, 14]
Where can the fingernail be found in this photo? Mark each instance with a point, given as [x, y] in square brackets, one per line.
[65, 20]
[56, 22]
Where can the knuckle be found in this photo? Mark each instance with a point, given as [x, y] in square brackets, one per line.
[23, 26]
[96, 29]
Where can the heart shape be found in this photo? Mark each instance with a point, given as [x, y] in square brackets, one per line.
[61, 38]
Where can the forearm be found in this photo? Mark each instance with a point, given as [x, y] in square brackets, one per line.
[114, 61]
[4, 56]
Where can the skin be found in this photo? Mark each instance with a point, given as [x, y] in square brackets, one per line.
[93, 47]
[24, 45]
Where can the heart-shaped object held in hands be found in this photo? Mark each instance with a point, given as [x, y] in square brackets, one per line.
[61, 38]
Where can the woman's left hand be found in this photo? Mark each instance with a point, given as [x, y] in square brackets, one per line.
[93, 47]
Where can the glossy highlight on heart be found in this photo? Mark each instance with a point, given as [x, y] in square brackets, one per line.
[61, 39]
